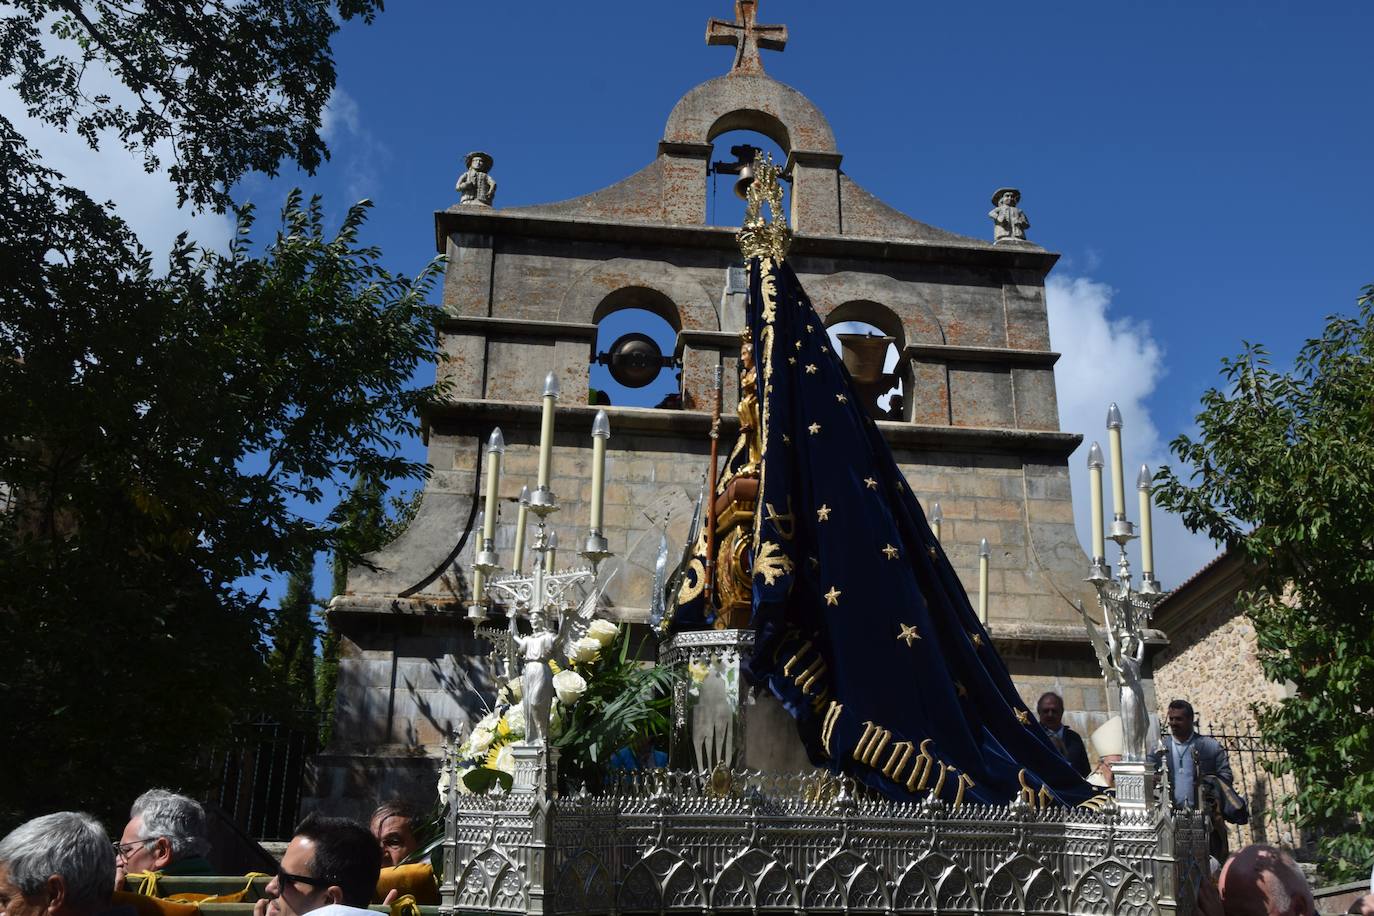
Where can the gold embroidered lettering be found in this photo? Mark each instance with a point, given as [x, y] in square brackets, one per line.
[897, 760]
[832, 715]
[795, 659]
[920, 773]
[871, 743]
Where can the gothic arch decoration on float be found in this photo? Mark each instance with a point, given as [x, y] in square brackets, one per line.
[491, 881]
[754, 880]
[1021, 885]
[1112, 888]
[662, 880]
[583, 886]
[935, 883]
[844, 881]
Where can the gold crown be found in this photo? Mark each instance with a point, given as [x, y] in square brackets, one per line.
[758, 237]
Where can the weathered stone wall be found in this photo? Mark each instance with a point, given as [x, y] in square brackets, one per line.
[1212, 663]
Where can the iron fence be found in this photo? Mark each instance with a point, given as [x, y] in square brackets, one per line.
[1249, 755]
[258, 778]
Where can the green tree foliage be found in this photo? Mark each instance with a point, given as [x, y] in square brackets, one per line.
[627, 704]
[159, 431]
[1282, 469]
[291, 663]
[232, 87]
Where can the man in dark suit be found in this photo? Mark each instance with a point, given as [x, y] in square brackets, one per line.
[1050, 709]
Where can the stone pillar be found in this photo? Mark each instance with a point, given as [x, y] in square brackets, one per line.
[700, 353]
[815, 192]
[684, 182]
[927, 389]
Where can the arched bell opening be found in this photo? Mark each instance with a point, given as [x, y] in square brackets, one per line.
[728, 175]
[869, 338]
[632, 362]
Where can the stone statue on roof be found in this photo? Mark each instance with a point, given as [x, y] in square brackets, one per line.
[476, 186]
[1009, 222]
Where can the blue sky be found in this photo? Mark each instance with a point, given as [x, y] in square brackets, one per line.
[1199, 166]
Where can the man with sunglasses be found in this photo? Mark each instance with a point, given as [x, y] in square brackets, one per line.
[330, 868]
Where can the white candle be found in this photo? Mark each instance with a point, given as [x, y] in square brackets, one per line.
[478, 580]
[546, 431]
[520, 519]
[552, 552]
[601, 431]
[984, 554]
[1147, 538]
[1118, 474]
[496, 447]
[1095, 488]
[937, 517]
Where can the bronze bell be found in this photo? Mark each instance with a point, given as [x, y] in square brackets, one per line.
[864, 355]
[746, 178]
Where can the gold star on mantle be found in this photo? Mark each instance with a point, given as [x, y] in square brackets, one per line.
[909, 634]
[870, 483]
[891, 552]
[1023, 717]
[841, 398]
[814, 428]
[977, 639]
[786, 439]
[792, 360]
[797, 344]
[810, 368]
[832, 597]
[823, 513]
[809, 329]
[960, 689]
[931, 550]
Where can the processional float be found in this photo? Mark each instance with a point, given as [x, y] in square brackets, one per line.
[794, 783]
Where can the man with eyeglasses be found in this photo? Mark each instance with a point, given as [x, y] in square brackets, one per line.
[330, 868]
[166, 833]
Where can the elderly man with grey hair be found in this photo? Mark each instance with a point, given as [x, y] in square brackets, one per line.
[58, 865]
[166, 833]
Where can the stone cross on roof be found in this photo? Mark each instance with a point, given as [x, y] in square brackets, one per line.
[747, 36]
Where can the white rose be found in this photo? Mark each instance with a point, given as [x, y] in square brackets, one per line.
[480, 739]
[516, 688]
[603, 631]
[515, 719]
[505, 759]
[584, 650]
[569, 686]
[488, 722]
[443, 785]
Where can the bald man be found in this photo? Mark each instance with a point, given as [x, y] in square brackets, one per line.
[1264, 881]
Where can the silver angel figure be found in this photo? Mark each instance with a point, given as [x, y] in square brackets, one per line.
[536, 678]
[1121, 656]
[543, 644]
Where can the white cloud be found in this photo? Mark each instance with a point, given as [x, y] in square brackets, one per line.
[1107, 359]
[356, 151]
[147, 202]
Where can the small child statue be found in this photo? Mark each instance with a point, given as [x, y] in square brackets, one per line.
[1009, 222]
[475, 186]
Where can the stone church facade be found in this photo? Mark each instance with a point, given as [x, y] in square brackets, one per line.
[524, 293]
